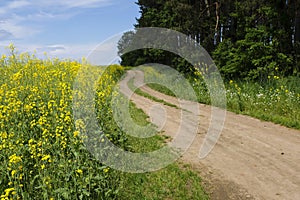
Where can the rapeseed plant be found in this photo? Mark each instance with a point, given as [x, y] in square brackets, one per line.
[41, 148]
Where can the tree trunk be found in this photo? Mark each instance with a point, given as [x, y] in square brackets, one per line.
[207, 7]
[297, 24]
[297, 37]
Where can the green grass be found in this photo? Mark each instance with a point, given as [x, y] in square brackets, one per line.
[172, 182]
[276, 99]
[144, 94]
[161, 89]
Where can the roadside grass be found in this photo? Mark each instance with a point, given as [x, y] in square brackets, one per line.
[146, 95]
[276, 99]
[173, 182]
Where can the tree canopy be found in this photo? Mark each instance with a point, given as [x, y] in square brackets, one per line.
[249, 39]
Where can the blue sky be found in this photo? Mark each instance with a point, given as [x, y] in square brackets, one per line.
[63, 28]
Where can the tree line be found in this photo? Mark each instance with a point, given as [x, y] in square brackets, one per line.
[251, 39]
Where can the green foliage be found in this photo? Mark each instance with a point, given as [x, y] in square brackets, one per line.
[248, 39]
[254, 57]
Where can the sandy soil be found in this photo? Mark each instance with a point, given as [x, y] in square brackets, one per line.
[251, 160]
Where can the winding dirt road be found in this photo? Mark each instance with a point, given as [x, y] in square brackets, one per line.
[251, 160]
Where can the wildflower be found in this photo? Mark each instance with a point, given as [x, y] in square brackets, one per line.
[46, 157]
[7, 192]
[230, 82]
[43, 166]
[79, 124]
[13, 172]
[106, 170]
[259, 95]
[14, 158]
[76, 133]
[79, 171]
[3, 135]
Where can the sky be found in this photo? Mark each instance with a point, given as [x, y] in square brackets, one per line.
[63, 28]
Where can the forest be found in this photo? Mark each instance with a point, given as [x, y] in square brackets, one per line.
[248, 40]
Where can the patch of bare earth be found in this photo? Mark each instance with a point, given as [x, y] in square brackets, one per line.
[251, 160]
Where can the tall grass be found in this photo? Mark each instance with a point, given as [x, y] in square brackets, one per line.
[276, 100]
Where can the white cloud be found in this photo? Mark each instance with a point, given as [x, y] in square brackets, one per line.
[44, 16]
[50, 4]
[69, 4]
[106, 52]
[75, 51]
[16, 30]
[5, 35]
[18, 4]
[16, 13]
[12, 6]
[20, 19]
[80, 3]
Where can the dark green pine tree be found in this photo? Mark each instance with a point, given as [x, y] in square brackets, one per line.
[249, 39]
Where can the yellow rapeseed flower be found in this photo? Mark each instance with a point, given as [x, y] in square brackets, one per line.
[13, 172]
[76, 133]
[46, 157]
[14, 158]
[106, 170]
[7, 192]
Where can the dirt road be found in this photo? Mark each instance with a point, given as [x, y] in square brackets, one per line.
[251, 160]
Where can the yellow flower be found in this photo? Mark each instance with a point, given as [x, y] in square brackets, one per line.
[14, 158]
[3, 135]
[76, 133]
[106, 170]
[7, 192]
[46, 157]
[79, 171]
[13, 172]
[43, 166]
